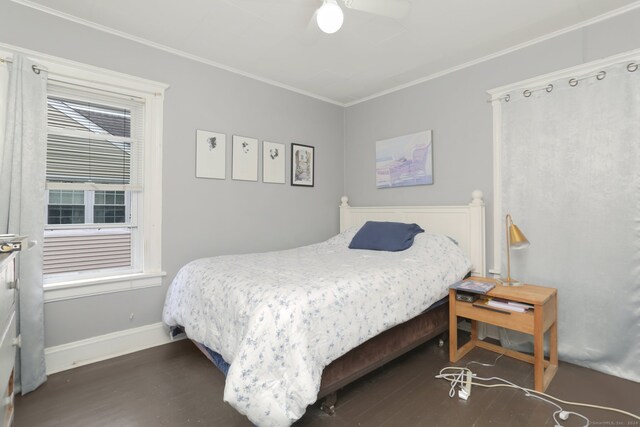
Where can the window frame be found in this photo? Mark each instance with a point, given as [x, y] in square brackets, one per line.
[92, 79]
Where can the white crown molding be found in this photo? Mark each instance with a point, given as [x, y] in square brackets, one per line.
[91, 350]
[168, 49]
[99, 27]
[591, 21]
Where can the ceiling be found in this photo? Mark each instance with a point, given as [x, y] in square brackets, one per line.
[274, 41]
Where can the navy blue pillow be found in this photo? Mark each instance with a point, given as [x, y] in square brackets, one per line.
[385, 236]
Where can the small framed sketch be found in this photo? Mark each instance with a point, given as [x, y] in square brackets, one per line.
[245, 159]
[302, 165]
[273, 162]
[211, 155]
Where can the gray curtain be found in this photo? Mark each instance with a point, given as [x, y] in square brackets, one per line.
[571, 168]
[22, 200]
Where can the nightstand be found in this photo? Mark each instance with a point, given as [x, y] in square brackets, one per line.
[535, 322]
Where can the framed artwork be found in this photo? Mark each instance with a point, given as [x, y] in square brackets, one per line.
[245, 159]
[404, 160]
[273, 162]
[211, 154]
[302, 165]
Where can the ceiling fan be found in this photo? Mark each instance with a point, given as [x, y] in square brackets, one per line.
[330, 17]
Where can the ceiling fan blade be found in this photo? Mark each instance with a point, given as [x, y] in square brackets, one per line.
[312, 31]
[396, 9]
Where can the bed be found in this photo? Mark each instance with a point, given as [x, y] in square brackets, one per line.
[321, 316]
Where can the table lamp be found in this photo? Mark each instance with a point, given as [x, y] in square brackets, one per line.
[516, 240]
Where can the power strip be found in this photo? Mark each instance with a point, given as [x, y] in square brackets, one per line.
[465, 384]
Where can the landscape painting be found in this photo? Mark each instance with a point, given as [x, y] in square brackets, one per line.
[404, 160]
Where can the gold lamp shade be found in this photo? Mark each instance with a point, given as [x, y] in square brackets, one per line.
[516, 240]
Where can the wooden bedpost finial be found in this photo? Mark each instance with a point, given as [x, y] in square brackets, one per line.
[477, 198]
[345, 202]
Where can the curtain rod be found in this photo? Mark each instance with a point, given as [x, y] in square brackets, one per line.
[573, 82]
[35, 68]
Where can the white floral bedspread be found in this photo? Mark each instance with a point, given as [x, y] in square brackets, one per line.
[279, 318]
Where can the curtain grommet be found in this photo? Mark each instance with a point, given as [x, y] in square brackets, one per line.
[549, 88]
[631, 67]
[507, 98]
[573, 82]
[35, 69]
[527, 93]
[601, 75]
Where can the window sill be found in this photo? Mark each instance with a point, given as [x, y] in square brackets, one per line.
[60, 291]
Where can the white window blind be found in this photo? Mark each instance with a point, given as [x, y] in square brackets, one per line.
[94, 141]
[95, 147]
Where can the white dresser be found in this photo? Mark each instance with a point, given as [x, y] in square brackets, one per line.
[8, 343]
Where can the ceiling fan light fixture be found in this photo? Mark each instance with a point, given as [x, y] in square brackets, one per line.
[330, 17]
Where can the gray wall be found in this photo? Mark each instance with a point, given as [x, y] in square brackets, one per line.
[201, 217]
[455, 108]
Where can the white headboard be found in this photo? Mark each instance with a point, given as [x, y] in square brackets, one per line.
[465, 224]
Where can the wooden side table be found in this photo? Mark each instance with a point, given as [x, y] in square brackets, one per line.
[535, 322]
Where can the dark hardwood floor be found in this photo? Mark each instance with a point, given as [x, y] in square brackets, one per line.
[175, 385]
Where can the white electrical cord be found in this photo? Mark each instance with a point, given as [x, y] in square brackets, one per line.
[485, 364]
[457, 378]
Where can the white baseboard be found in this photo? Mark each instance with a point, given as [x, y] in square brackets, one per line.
[95, 349]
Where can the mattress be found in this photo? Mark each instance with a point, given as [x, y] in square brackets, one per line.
[279, 318]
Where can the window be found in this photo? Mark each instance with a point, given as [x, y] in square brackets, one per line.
[109, 207]
[95, 148]
[103, 178]
[65, 207]
[88, 207]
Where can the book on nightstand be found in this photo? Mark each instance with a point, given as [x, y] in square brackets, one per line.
[509, 305]
[469, 285]
[484, 303]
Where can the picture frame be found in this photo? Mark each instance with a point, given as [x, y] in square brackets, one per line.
[273, 162]
[405, 160]
[244, 159]
[211, 154]
[302, 165]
